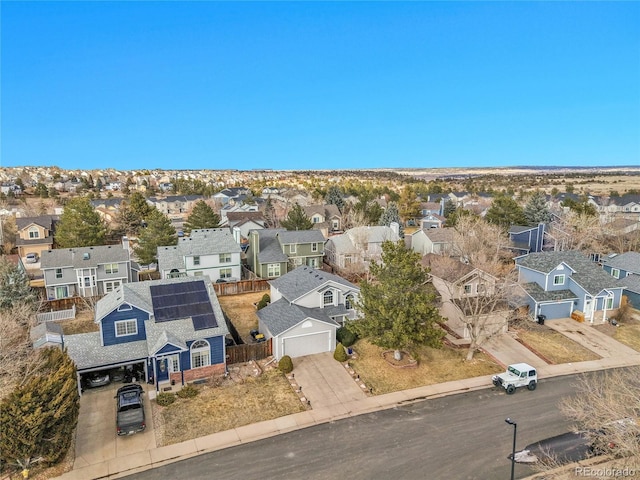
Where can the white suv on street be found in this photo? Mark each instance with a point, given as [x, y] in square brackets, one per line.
[517, 375]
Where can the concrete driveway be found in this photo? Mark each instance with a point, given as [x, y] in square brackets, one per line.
[96, 438]
[325, 382]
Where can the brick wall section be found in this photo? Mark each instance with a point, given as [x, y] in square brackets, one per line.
[202, 372]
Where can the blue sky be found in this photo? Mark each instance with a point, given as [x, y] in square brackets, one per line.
[327, 85]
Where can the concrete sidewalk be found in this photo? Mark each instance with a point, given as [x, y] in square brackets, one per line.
[337, 405]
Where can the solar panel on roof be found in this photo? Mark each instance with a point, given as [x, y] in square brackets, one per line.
[174, 301]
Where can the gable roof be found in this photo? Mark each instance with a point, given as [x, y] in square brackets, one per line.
[446, 268]
[44, 221]
[281, 316]
[439, 235]
[83, 257]
[303, 279]
[586, 273]
[300, 236]
[269, 249]
[628, 261]
[210, 241]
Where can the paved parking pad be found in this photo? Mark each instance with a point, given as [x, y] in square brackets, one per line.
[96, 438]
[325, 382]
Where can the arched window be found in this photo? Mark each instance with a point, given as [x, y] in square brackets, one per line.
[200, 354]
[348, 302]
[327, 298]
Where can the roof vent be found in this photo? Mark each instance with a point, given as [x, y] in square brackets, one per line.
[85, 256]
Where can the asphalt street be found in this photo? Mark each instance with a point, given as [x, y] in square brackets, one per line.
[456, 437]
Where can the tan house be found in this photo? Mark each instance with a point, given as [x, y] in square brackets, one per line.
[35, 234]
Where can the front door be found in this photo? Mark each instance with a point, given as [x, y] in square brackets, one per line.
[163, 369]
[588, 308]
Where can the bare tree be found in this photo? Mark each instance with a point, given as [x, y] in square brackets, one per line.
[607, 407]
[17, 358]
[479, 299]
[482, 245]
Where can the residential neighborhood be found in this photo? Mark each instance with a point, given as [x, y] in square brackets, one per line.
[197, 293]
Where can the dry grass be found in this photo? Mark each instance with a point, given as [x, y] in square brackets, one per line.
[219, 408]
[83, 323]
[241, 311]
[552, 345]
[627, 332]
[434, 366]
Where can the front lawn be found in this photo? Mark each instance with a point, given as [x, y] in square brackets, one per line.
[627, 332]
[434, 366]
[552, 346]
[227, 406]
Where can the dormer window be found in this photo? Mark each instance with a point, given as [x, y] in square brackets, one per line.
[327, 298]
[558, 280]
[34, 232]
[348, 302]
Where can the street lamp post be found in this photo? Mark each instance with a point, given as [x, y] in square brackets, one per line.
[513, 450]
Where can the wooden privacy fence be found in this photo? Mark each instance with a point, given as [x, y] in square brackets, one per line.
[57, 315]
[249, 351]
[243, 286]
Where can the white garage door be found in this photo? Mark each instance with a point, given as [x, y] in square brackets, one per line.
[307, 344]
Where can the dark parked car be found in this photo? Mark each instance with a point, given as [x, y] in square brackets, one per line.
[565, 448]
[96, 379]
[130, 410]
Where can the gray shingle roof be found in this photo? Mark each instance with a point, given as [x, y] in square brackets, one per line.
[587, 274]
[270, 249]
[632, 283]
[300, 236]
[437, 235]
[75, 257]
[46, 221]
[210, 241]
[539, 295]
[86, 349]
[280, 316]
[629, 261]
[303, 280]
[87, 352]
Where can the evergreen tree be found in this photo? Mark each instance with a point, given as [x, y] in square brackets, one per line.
[41, 190]
[391, 215]
[583, 207]
[201, 216]
[397, 309]
[297, 219]
[80, 225]
[536, 210]
[449, 208]
[139, 205]
[158, 232]
[334, 197]
[38, 418]
[14, 285]
[505, 212]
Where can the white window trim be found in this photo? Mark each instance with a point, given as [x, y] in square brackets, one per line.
[113, 284]
[112, 268]
[225, 258]
[615, 272]
[204, 350]
[126, 323]
[59, 273]
[196, 259]
[226, 272]
[273, 270]
[314, 247]
[561, 276]
[34, 230]
[292, 248]
[324, 298]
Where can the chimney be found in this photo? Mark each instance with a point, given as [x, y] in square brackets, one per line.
[125, 243]
[236, 235]
[395, 227]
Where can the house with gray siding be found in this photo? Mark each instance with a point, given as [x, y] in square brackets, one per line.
[273, 252]
[557, 283]
[85, 271]
[307, 307]
[358, 246]
[212, 252]
[626, 267]
[173, 330]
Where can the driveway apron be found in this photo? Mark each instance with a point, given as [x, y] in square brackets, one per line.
[324, 381]
[96, 438]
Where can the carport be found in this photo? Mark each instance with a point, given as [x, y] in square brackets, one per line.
[90, 356]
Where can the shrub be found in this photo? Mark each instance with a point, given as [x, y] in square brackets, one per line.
[264, 301]
[165, 399]
[345, 336]
[188, 391]
[285, 364]
[340, 355]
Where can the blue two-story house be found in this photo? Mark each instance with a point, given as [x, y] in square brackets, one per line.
[626, 267]
[173, 330]
[527, 239]
[557, 283]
